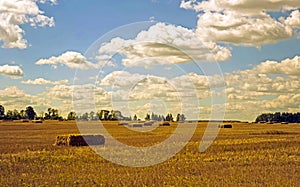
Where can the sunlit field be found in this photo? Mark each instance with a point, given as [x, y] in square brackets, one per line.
[246, 155]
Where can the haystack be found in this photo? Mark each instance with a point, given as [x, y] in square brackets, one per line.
[225, 126]
[123, 124]
[137, 125]
[79, 140]
[164, 123]
[148, 124]
[37, 121]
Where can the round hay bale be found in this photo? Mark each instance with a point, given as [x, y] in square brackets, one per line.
[137, 125]
[225, 126]
[79, 140]
[148, 124]
[37, 121]
[123, 124]
[165, 123]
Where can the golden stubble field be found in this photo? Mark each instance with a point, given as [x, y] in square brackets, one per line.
[246, 155]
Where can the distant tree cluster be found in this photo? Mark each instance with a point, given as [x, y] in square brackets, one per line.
[279, 117]
[53, 114]
[169, 117]
[28, 113]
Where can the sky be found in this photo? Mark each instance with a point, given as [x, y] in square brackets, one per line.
[208, 59]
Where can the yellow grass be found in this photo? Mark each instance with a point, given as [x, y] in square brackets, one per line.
[242, 156]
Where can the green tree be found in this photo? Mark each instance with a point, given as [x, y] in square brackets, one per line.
[16, 115]
[147, 117]
[23, 114]
[2, 112]
[71, 116]
[30, 113]
[9, 115]
[178, 117]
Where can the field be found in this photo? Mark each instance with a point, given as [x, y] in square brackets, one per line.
[246, 155]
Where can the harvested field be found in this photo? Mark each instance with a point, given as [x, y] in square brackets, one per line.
[243, 156]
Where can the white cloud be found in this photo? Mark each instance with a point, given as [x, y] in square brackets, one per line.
[231, 27]
[42, 81]
[121, 79]
[14, 13]
[164, 44]
[14, 98]
[242, 6]
[293, 20]
[244, 22]
[283, 102]
[287, 67]
[13, 71]
[71, 59]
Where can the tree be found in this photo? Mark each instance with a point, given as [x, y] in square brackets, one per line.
[23, 114]
[85, 116]
[30, 113]
[279, 117]
[169, 117]
[71, 116]
[9, 115]
[2, 111]
[92, 113]
[135, 117]
[182, 118]
[16, 115]
[147, 117]
[178, 117]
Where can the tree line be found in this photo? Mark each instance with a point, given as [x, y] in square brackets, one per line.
[279, 117]
[53, 114]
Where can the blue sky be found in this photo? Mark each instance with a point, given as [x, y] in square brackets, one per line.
[255, 45]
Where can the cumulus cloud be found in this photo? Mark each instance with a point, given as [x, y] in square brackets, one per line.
[164, 44]
[14, 13]
[13, 71]
[293, 20]
[284, 102]
[244, 22]
[42, 81]
[121, 79]
[243, 6]
[286, 66]
[231, 27]
[71, 59]
[14, 98]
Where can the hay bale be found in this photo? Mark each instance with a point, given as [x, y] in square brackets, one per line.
[148, 124]
[225, 126]
[165, 123]
[137, 125]
[123, 124]
[37, 121]
[79, 140]
[62, 140]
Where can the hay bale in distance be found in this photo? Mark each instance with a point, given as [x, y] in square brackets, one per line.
[148, 124]
[123, 124]
[37, 121]
[79, 140]
[226, 126]
[164, 123]
[137, 125]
